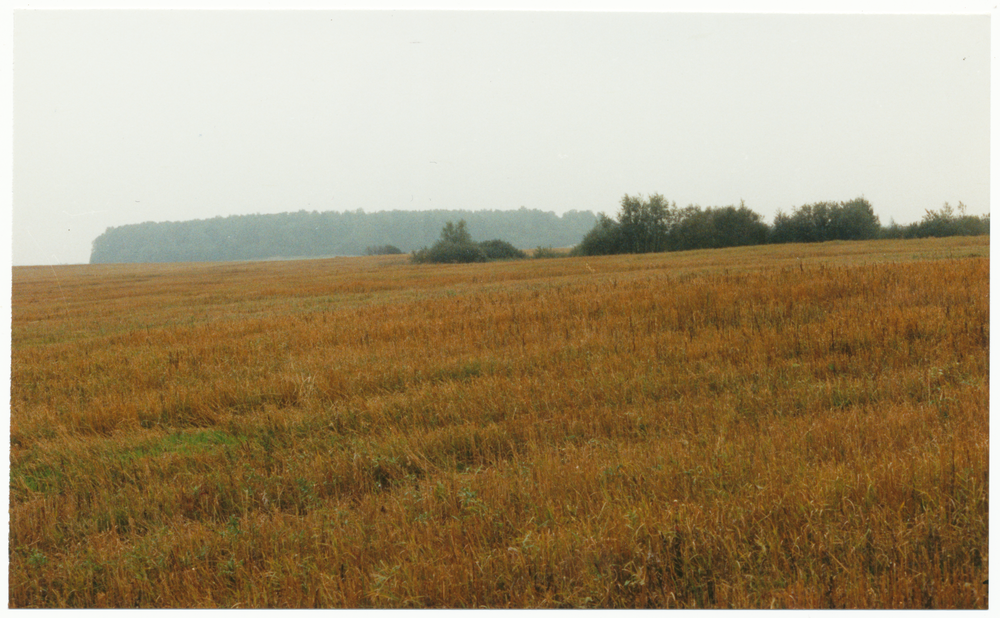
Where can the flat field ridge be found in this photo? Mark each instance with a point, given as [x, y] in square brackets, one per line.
[797, 426]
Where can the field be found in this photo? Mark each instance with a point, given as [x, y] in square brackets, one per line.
[796, 426]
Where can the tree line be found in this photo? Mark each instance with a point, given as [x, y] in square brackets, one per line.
[654, 224]
[650, 224]
[316, 234]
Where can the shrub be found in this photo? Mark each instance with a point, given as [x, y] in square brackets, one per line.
[501, 250]
[946, 222]
[456, 246]
[383, 250]
[545, 253]
[444, 252]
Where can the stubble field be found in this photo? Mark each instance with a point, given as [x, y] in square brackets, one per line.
[780, 426]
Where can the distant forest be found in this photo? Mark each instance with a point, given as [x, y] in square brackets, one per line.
[315, 234]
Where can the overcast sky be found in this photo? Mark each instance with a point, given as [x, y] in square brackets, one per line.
[129, 116]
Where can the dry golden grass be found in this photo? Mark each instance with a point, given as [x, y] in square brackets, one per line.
[790, 426]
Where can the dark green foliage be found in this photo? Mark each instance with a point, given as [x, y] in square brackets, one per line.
[456, 246]
[642, 226]
[658, 225]
[856, 220]
[605, 239]
[501, 250]
[316, 234]
[822, 221]
[383, 250]
[444, 252]
[645, 225]
[941, 223]
[714, 228]
[736, 227]
[545, 253]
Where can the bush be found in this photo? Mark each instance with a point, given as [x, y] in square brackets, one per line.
[545, 252]
[946, 222]
[501, 250]
[444, 252]
[457, 247]
[383, 250]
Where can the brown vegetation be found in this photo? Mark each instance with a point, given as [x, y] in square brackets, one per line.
[790, 426]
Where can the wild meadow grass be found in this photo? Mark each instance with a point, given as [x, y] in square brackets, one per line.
[796, 426]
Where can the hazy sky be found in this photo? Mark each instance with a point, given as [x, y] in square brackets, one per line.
[128, 116]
